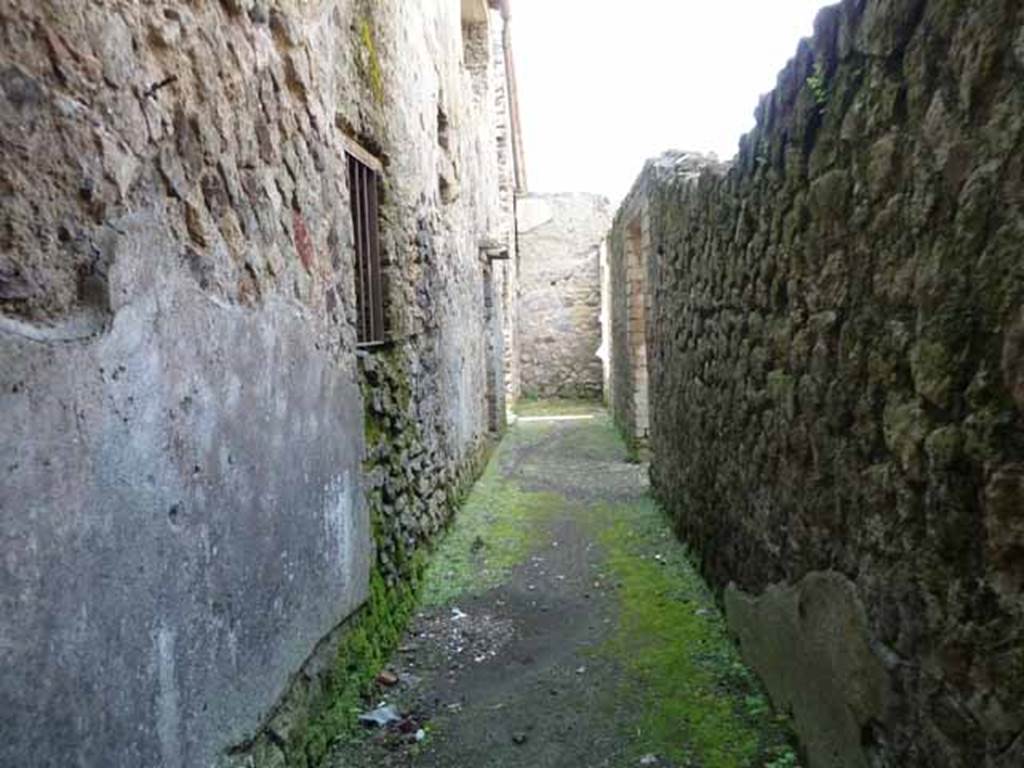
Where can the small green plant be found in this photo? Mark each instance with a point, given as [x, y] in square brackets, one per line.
[785, 759]
[756, 705]
[819, 86]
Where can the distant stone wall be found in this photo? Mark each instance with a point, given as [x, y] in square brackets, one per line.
[837, 381]
[559, 324]
[193, 447]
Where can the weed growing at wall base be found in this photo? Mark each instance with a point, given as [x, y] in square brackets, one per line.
[373, 636]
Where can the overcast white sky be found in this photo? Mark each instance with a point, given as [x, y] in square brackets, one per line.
[605, 84]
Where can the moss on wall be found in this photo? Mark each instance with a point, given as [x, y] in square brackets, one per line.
[369, 60]
[370, 638]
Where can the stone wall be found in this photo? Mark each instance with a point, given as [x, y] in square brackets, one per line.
[192, 454]
[560, 239]
[836, 381]
[509, 294]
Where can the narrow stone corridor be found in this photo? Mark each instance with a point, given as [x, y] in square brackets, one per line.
[282, 480]
[562, 625]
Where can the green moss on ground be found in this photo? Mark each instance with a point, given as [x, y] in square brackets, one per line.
[687, 696]
[530, 407]
[496, 529]
[599, 441]
[698, 703]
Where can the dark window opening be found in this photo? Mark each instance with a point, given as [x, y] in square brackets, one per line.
[362, 184]
[442, 129]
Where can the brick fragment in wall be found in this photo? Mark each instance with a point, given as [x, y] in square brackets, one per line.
[833, 341]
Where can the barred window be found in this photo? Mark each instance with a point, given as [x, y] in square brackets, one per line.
[362, 184]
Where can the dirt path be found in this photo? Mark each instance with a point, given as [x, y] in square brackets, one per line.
[562, 626]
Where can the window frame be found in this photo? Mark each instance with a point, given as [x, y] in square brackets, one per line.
[363, 172]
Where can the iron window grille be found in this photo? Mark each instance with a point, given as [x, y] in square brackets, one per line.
[362, 184]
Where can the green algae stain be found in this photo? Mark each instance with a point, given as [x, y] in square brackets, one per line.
[697, 702]
[371, 69]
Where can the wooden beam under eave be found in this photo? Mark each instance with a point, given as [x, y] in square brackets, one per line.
[518, 153]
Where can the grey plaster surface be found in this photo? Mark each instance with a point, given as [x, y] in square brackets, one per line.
[180, 514]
